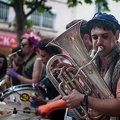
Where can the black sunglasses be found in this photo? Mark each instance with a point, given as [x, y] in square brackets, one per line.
[23, 45]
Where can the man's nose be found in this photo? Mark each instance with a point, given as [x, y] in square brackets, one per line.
[99, 41]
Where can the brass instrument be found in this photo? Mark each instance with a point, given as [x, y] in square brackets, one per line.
[71, 42]
[7, 81]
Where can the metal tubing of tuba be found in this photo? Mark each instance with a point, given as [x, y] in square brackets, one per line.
[69, 85]
[71, 42]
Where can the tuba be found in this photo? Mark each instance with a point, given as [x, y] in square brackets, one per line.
[71, 42]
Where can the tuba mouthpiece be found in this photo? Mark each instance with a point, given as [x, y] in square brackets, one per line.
[100, 48]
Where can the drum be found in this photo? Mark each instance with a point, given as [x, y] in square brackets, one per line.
[18, 102]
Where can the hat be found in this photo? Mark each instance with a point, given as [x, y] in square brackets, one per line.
[104, 17]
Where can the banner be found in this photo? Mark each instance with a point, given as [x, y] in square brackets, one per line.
[8, 39]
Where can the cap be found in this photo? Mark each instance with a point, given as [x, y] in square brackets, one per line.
[104, 17]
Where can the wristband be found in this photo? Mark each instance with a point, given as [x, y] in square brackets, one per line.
[84, 101]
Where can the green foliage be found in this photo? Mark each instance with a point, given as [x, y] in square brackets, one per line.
[40, 5]
[10, 1]
[88, 1]
[28, 23]
[116, 0]
[102, 3]
[43, 9]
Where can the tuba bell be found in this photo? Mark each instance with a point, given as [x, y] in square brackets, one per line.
[71, 42]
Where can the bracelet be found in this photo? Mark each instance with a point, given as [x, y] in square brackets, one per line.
[84, 101]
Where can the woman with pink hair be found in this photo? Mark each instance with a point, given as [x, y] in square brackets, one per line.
[32, 66]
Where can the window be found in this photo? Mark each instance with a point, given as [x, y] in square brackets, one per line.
[3, 12]
[100, 6]
[45, 20]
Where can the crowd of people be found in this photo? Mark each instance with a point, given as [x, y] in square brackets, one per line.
[28, 66]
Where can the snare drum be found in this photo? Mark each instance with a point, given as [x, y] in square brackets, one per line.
[18, 100]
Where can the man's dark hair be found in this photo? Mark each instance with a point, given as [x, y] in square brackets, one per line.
[105, 21]
[51, 49]
[103, 24]
[83, 28]
[17, 49]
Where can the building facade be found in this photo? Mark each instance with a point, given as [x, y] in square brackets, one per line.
[49, 24]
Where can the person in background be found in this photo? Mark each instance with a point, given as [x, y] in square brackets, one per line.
[32, 66]
[84, 33]
[51, 93]
[104, 29]
[3, 69]
[16, 63]
[3, 65]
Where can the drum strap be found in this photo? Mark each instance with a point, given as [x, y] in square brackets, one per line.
[28, 66]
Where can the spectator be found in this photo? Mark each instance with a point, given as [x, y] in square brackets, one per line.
[3, 70]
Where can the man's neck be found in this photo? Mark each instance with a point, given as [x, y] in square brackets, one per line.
[103, 62]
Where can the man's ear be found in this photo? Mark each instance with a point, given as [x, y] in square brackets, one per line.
[86, 38]
[117, 34]
[32, 47]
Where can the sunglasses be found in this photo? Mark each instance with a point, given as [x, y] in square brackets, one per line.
[23, 45]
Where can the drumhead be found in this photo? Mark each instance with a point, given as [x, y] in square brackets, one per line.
[23, 87]
[19, 117]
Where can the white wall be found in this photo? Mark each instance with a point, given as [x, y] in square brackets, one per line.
[115, 8]
[87, 11]
[84, 11]
[66, 15]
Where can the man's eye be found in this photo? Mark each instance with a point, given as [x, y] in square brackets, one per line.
[95, 37]
[104, 37]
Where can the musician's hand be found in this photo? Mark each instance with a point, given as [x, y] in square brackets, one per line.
[47, 109]
[61, 64]
[68, 68]
[93, 113]
[12, 73]
[38, 100]
[73, 99]
[41, 113]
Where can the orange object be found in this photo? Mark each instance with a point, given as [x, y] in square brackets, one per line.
[118, 87]
[45, 110]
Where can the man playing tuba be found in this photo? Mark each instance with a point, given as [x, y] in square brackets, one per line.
[104, 30]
